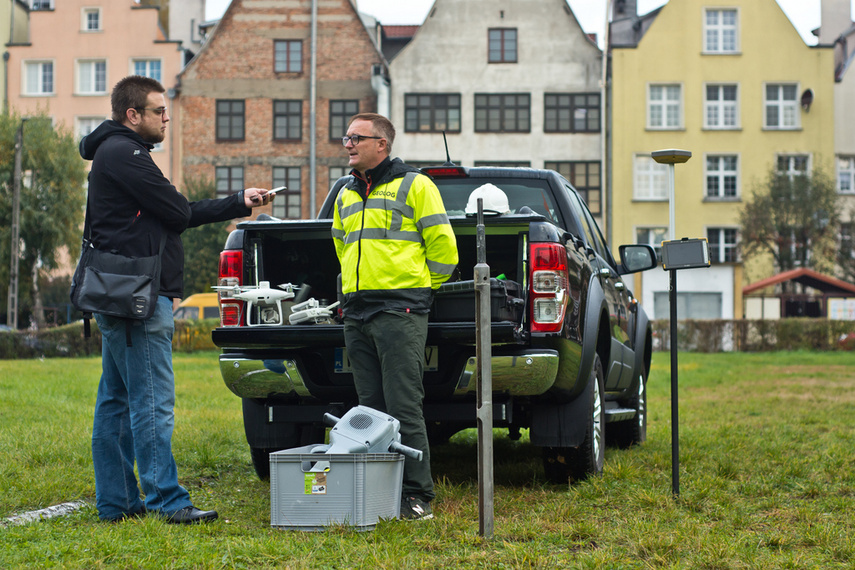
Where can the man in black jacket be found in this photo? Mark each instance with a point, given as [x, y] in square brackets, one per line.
[131, 205]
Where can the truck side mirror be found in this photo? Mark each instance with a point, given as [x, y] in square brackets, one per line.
[635, 258]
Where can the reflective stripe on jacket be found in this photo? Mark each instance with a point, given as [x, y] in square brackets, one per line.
[394, 246]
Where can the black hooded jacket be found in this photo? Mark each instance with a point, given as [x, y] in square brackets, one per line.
[131, 203]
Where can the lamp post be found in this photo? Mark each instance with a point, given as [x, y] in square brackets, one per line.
[672, 157]
[12, 305]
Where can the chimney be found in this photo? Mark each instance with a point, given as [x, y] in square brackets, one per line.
[624, 9]
[836, 18]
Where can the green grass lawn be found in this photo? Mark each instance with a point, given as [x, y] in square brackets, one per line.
[767, 481]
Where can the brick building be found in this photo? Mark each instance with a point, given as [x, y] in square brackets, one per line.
[261, 107]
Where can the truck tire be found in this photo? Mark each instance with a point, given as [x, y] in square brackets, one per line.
[631, 432]
[578, 463]
[261, 461]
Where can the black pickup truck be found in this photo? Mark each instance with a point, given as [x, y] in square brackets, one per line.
[571, 346]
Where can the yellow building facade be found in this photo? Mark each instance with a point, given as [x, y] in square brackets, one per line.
[734, 83]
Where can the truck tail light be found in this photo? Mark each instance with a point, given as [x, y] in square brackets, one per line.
[548, 286]
[230, 275]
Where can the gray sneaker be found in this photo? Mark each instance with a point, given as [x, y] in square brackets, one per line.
[415, 509]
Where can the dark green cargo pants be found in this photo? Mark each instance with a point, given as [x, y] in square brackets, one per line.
[387, 358]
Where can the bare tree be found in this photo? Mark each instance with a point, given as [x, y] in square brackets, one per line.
[794, 219]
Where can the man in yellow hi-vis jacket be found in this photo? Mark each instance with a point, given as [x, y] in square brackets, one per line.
[396, 247]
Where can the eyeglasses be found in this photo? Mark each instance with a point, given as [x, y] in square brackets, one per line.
[355, 139]
[159, 110]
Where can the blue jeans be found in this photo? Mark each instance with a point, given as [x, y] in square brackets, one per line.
[134, 417]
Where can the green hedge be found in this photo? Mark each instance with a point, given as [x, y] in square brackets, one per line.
[68, 340]
[756, 335]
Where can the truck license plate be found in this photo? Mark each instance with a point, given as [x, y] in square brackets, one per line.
[342, 362]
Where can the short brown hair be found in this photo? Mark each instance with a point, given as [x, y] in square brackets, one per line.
[383, 127]
[132, 93]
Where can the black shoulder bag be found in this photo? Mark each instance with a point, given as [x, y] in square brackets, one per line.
[112, 284]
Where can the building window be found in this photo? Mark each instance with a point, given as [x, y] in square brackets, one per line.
[92, 77]
[793, 164]
[288, 56]
[287, 203]
[782, 108]
[336, 172]
[229, 180]
[585, 178]
[502, 46]
[846, 174]
[39, 78]
[90, 19]
[722, 244]
[722, 176]
[230, 120]
[432, 113]
[42, 5]
[664, 107]
[571, 113]
[340, 113]
[846, 252]
[288, 120]
[147, 68]
[721, 110]
[503, 113]
[651, 179]
[721, 34]
[690, 305]
[652, 237]
[86, 125]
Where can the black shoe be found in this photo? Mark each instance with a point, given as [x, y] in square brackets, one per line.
[415, 509]
[125, 516]
[191, 514]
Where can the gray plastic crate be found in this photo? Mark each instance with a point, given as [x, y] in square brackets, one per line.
[357, 490]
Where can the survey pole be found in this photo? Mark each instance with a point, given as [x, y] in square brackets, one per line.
[484, 380]
[672, 157]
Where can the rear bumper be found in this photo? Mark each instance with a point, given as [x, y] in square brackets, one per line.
[518, 373]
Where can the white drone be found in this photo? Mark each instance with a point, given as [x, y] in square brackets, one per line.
[310, 312]
[263, 296]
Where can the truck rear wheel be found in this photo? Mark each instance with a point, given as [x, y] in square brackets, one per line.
[562, 463]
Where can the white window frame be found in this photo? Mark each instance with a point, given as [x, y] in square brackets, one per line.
[721, 108]
[147, 61]
[789, 117]
[89, 89]
[653, 236]
[846, 174]
[725, 246]
[664, 105]
[791, 157]
[721, 174]
[85, 125]
[84, 19]
[650, 179]
[25, 75]
[716, 33]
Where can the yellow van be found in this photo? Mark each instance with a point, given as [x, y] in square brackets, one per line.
[198, 306]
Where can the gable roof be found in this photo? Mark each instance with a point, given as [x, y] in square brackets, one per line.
[807, 277]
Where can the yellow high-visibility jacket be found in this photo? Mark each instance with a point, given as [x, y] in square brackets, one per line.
[393, 240]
